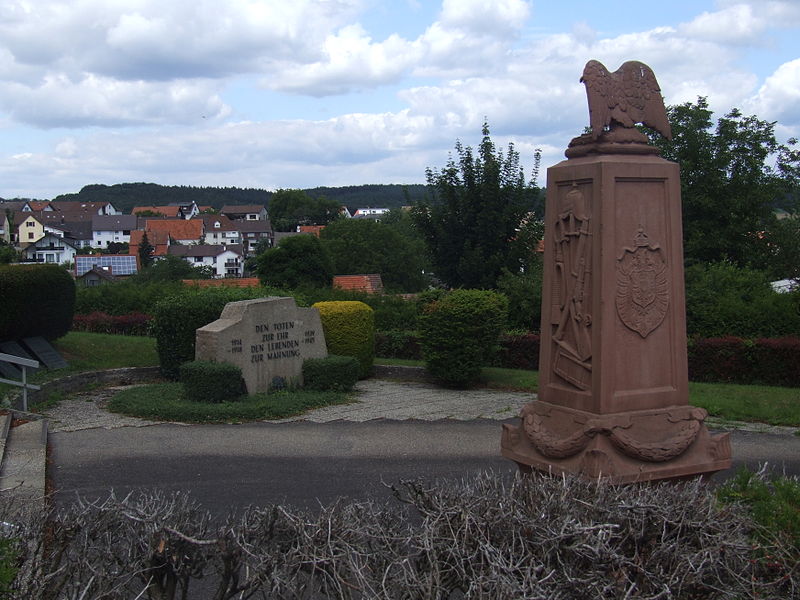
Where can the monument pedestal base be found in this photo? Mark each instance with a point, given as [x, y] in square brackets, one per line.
[624, 447]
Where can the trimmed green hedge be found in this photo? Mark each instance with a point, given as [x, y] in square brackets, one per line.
[349, 331]
[177, 318]
[207, 381]
[35, 300]
[459, 333]
[333, 373]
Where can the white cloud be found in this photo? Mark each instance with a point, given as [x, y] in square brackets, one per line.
[93, 100]
[779, 97]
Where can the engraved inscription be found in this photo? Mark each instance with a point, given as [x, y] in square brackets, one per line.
[642, 288]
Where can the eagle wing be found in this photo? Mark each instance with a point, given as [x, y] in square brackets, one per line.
[640, 98]
[600, 92]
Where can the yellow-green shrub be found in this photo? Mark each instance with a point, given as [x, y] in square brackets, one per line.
[349, 328]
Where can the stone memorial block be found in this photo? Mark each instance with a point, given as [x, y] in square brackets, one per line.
[267, 338]
[613, 381]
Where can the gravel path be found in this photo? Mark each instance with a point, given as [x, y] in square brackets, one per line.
[376, 399]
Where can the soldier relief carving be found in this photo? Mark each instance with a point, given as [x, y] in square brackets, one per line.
[642, 288]
[572, 318]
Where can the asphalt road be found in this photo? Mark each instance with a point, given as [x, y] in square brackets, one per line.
[304, 464]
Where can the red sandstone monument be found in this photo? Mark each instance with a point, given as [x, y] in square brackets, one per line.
[613, 388]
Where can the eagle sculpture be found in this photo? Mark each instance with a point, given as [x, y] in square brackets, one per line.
[624, 98]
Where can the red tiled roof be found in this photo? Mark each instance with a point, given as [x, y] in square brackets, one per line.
[167, 211]
[227, 282]
[157, 239]
[372, 284]
[177, 229]
[315, 229]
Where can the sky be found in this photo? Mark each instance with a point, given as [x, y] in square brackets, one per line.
[297, 94]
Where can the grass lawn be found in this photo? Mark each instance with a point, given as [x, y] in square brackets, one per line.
[761, 403]
[165, 401]
[95, 351]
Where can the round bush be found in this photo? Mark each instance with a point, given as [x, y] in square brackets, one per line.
[459, 333]
[206, 381]
[349, 331]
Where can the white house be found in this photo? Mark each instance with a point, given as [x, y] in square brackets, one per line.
[112, 228]
[51, 248]
[219, 229]
[245, 212]
[226, 261]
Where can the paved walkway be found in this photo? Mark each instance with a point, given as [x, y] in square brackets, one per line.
[375, 399]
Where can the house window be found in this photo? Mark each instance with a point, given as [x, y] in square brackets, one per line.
[29, 224]
[198, 259]
[30, 235]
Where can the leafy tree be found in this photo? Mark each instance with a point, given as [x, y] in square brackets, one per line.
[781, 248]
[7, 253]
[725, 299]
[290, 208]
[174, 268]
[145, 252]
[729, 187]
[471, 220]
[366, 246]
[297, 261]
[116, 248]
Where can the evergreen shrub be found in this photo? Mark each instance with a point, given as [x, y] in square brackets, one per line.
[459, 333]
[398, 344]
[124, 297]
[176, 318]
[331, 374]
[207, 381]
[349, 331]
[37, 300]
[730, 359]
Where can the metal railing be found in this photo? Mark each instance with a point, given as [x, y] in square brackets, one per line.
[24, 363]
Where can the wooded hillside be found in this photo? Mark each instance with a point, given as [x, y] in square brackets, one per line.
[124, 196]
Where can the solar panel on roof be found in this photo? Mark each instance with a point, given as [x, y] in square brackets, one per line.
[120, 264]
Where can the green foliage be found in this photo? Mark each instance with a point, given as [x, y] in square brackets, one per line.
[167, 402]
[774, 503]
[524, 293]
[781, 251]
[9, 555]
[290, 208]
[123, 297]
[728, 184]
[36, 300]
[145, 251]
[359, 246]
[470, 225]
[725, 300]
[349, 331]
[391, 311]
[7, 253]
[124, 196]
[206, 381]
[173, 268]
[297, 261]
[176, 319]
[460, 332]
[333, 373]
